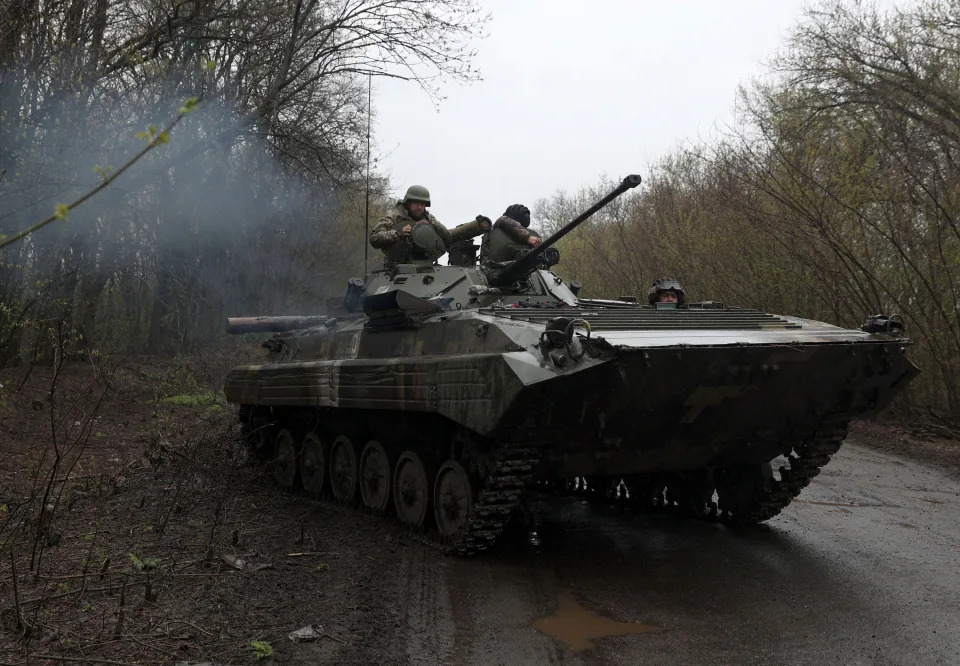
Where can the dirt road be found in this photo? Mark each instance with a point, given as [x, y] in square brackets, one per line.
[863, 569]
[167, 548]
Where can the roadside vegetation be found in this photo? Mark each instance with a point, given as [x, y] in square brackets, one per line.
[166, 164]
[253, 203]
[133, 531]
[835, 195]
[131, 528]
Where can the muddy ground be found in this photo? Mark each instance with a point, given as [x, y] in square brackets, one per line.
[144, 536]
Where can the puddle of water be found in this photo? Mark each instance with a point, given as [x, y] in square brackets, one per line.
[578, 627]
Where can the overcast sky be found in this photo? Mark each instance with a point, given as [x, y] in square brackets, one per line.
[571, 90]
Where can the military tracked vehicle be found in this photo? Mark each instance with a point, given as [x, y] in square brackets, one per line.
[440, 394]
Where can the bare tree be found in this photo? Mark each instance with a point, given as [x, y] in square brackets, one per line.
[249, 207]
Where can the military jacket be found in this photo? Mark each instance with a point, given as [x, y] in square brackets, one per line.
[507, 241]
[386, 234]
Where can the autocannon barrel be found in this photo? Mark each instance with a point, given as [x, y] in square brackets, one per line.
[528, 262]
[272, 324]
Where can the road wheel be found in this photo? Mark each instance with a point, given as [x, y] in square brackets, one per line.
[258, 436]
[284, 465]
[742, 489]
[452, 498]
[645, 491]
[411, 489]
[313, 465]
[375, 488]
[691, 492]
[343, 469]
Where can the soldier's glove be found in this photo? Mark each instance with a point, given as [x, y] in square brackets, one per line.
[484, 223]
[518, 212]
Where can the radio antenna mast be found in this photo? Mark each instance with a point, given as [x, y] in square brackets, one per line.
[366, 214]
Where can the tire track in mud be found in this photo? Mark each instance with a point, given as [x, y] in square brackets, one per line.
[495, 601]
[426, 614]
[370, 599]
[401, 610]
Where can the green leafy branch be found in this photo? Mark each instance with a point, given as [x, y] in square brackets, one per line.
[144, 563]
[152, 136]
[261, 649]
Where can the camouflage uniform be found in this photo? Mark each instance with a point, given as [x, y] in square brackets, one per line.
[386, 235]
[507, 241]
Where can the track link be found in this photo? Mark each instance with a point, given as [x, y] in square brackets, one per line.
[806, 461]
[768, 498]
[499, 497]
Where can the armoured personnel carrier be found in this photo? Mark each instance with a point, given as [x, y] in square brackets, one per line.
[439, 394]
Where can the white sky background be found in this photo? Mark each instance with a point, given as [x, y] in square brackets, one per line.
[572, 90]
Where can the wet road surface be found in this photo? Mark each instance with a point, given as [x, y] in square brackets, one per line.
[864, 568]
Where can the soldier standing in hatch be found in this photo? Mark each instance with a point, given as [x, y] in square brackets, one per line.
[392, 230]
[666, 290]
[510, 236]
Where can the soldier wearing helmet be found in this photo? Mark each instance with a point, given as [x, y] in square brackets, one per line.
[666, 290]
[392, 231]
[510, 237]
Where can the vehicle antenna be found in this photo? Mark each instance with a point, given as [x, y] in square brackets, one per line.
[366, 213]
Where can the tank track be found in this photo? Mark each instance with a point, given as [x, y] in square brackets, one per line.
[499, 496]
[805, 462]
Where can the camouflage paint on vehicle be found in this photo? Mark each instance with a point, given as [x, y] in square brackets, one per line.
[472, 369]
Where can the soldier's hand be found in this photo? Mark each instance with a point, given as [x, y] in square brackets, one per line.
[484, 222]
[534, 241]
[406, 230]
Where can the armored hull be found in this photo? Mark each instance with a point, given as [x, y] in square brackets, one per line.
[666, 405]
[459, 387]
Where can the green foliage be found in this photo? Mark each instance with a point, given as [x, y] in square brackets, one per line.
[103, 171]
[179, 380]
[149, 134]
[191, 103]
[144, 563]
[834, 196]
[191, 400]
[261, 649]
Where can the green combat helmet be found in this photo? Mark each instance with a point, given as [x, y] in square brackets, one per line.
[417, 193]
